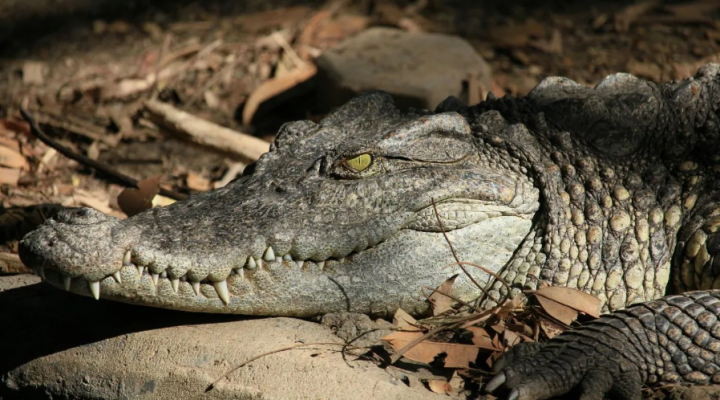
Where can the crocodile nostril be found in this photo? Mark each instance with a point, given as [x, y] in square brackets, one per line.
[83, 212]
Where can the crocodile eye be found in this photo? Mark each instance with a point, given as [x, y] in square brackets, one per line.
[359, 163]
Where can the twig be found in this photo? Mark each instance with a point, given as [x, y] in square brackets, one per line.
[466, 304]
[121, 178]
[452, 249]
[487, 271]
[225, 375]
[206, 133]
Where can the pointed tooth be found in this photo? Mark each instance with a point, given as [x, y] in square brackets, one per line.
[196, 287]
[117, 276]
[155, 278]
[141, 270]
[95, 289]
[241, 273]
[163, 274]
[300, 264]
[287, 257]
[67, 281]
[269, 254]
[126, 258]
[175, 284]
[321, 264]
[222, 291]
[41, 273]
[251, 263]
[341, 260]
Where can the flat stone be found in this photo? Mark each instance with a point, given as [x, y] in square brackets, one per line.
[58, 345]
[419, 69]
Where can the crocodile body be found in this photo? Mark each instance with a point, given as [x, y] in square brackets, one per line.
[612, 190]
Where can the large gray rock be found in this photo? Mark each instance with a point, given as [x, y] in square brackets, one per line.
[418, 69]
[58, 345]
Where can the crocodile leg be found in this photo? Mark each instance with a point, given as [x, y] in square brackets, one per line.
[672, 339]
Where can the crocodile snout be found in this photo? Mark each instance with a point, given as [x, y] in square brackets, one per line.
[75, 243]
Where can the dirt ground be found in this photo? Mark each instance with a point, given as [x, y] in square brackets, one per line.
[87, 69]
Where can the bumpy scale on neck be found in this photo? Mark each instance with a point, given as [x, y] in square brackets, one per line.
[608, 226]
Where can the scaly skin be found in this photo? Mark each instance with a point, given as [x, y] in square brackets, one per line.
[611, 190]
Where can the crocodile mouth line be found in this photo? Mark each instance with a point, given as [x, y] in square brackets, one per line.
[131, 270]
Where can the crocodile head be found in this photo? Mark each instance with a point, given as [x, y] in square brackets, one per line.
[337, 216]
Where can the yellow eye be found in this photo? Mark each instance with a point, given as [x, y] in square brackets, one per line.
[359, 163]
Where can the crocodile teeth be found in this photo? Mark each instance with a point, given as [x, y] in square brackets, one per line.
[222, 291]
[66, 282]
[95, 289]
[163, 274]
[126, 258]
[269, 254]
[155, 278]
[117, 276]
[140, 270]
[287, 257]
[41, 273]
[300, 264]
[251, 263]
[341, 260]
[196, 287]
[321, 264]
[175, 284]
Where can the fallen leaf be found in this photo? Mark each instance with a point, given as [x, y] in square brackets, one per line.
[404, 321]
[650, 71]
[516, 35]
[511, 338]
[197, 182]
[559, 311]
[456, 355]
[33, 73]
[11, 264]
[439, 301]
[552, 46]
[274, 87]
[11, 158]
[440, 386]
[551, 328]
[211, 99]
[87, 199]
[481, 338]
[9, 176]
[456, 382]
[572, 298]
[628, 15]
[701, 8]
[134, 201]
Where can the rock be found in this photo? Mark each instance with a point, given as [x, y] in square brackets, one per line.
[59, 345]
[419, 69]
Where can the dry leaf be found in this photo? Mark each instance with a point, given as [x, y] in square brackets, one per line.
[695, 9]
[551, 328]
[456, 382]
[559, 311]
[517, 35]
[481, 338]
[87, 199]
[511, 338]
[629, 14]
[11, 264]
[552, 46]
[134, 201]
[11, 158]
[650, 71]
[439, 301]
[274, 87]
[456, 355]
[572, 298]
[32, 73]
[404, 321]
[197, 182]
[440, 386]
[9, 176]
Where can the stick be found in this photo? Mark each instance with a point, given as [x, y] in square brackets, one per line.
[206, 133]
[67, 152]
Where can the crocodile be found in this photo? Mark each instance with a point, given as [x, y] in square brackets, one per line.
[612, 190]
